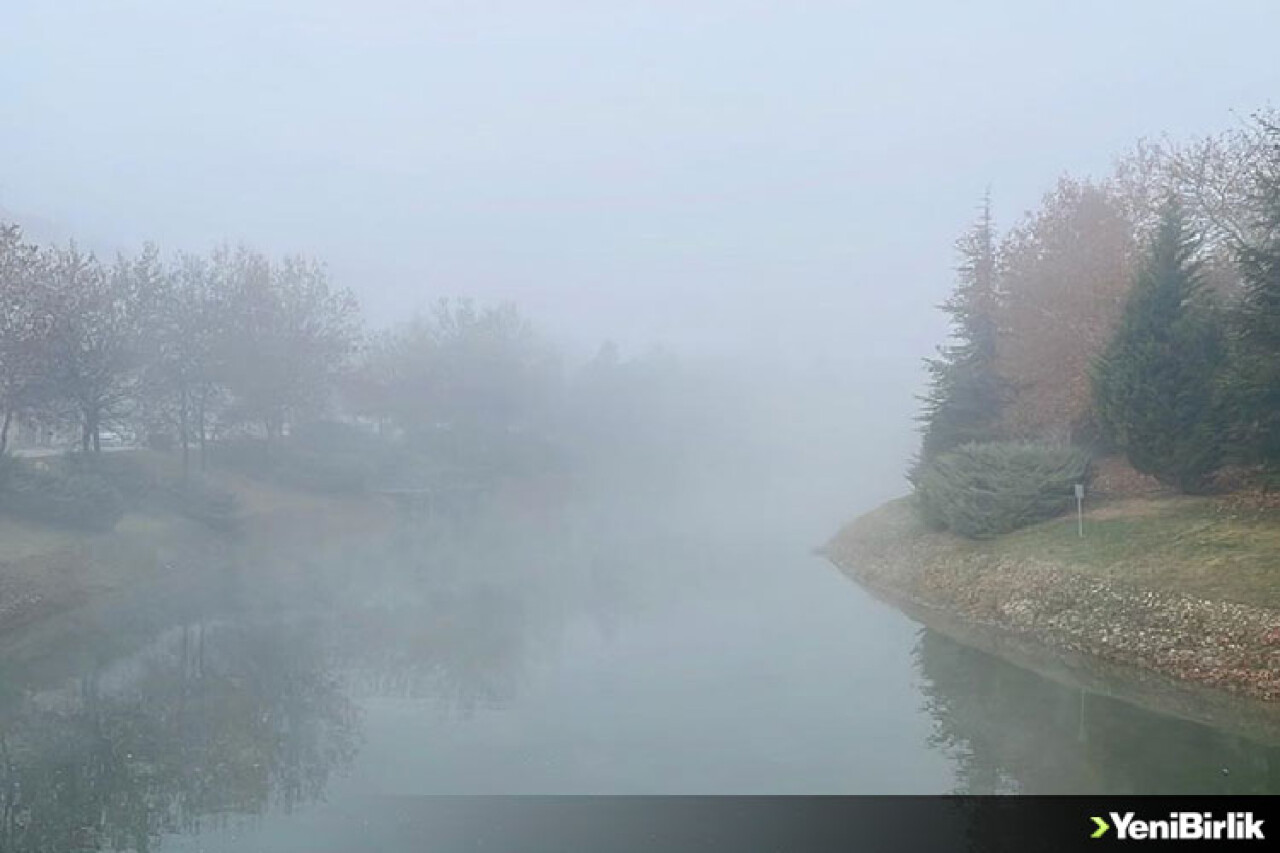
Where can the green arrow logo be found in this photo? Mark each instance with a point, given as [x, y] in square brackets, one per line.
[1103, 826]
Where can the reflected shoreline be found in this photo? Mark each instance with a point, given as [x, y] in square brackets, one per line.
[1251, 718]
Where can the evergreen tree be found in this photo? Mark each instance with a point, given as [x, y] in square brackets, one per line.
[1255, 375]
[965, 394]
[1155, 386]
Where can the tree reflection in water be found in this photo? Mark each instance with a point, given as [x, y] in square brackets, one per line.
[463, 648]
[457, 615]
[251, 706]
[1010, 730]
[209, 721]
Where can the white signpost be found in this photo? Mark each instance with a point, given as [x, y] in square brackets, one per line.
[1080, 508]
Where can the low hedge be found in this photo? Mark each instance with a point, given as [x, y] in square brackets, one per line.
[59, 495]
[984, 490]
[133, 480]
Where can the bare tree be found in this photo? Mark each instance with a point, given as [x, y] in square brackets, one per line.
[25, 321]
[1221, 179]
[185, 327]
[290, 334]
[94, 352]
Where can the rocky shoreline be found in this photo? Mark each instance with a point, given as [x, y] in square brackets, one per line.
[1169, 642]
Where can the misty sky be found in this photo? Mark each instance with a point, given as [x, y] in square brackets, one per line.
[786, 175]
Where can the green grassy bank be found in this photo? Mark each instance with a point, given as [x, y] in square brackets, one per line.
[1211, 548]
[1185, 587]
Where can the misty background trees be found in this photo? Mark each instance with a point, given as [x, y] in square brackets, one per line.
[24, 322]
[167, 350]
[264, 366]
[1133, 314]
[1138, 314]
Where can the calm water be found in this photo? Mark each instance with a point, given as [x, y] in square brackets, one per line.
[689, 647]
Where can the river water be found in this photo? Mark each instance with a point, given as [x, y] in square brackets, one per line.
[653, 646]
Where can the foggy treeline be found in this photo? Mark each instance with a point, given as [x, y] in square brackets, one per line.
[1135, 314]
[186, 351]
[173, 349]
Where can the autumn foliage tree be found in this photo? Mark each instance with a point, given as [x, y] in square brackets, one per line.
[1066, 272]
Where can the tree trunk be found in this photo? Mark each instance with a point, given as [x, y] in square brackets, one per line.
[186, 455]
[4, 431]
[90, 439]
[183, 435]
[204, 459]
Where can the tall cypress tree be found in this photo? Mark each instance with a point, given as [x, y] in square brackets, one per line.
[1155, 386]
[965, 393]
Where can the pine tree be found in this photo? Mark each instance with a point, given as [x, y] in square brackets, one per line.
[1155, 386]
[965, 394]
[1255, 375]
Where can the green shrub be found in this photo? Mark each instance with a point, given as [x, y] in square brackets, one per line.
[200, 501]
[331, 437]
[322, 472]
[57, 494]
[133, 480]
[983, 490]
[297, 466]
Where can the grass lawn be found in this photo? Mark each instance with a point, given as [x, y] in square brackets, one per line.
[21, 539]
[1200, 546]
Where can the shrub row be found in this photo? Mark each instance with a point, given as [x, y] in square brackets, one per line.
[92, 492]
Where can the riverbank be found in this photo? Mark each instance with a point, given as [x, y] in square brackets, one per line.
[45, 569]
[1184, 589]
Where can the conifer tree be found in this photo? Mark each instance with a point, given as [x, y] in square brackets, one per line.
[1156, 385]
[1255, 377]
[965, 393]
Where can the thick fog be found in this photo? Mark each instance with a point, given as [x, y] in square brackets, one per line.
[269, 553]
[717, 174]
[775, 183]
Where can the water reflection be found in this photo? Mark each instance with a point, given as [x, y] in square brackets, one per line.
[1010, 730]
[463, 648]
[209, 720]
[252, 706]
[565, 653]
[457, 614]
